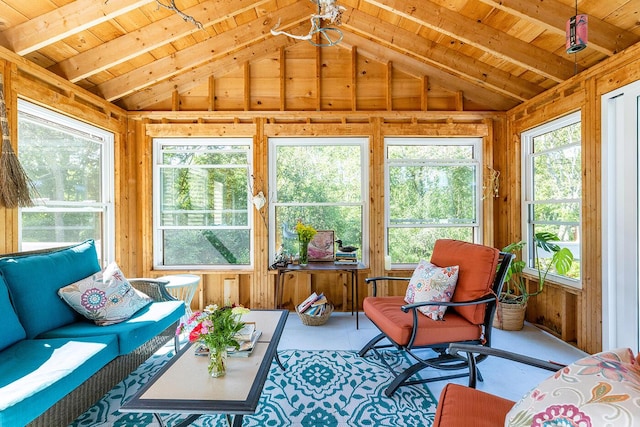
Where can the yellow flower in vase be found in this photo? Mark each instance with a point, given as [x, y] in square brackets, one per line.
[305, 234]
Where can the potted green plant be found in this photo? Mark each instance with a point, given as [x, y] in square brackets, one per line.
[512, 302]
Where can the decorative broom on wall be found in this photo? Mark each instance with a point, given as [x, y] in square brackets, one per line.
[15, 185]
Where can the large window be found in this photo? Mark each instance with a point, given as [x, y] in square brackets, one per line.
[432, 192]
[323, 183]
[552, 190]
[202, 210]
[71, 165]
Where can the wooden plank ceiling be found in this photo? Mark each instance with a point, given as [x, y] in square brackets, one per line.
[493, 54]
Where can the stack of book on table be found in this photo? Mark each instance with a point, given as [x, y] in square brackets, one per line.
[314, 305]
[247, 337]
[346, 258]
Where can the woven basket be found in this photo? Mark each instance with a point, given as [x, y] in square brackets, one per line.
[509, 317]
[316, 320]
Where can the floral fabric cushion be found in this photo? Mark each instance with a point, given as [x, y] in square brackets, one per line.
[598, 390]
[106, 297]
[432, 283]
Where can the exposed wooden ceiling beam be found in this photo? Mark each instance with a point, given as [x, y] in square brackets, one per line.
[435, 54]
[402, 62]
[147, 38]
[482, 36]
[224, 64]
[64, 21]
[199, 53]
[553, 15]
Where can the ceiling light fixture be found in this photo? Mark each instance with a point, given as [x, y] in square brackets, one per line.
[329, 11]
[576, 30]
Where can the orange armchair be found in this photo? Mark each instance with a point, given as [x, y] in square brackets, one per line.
[468, 318]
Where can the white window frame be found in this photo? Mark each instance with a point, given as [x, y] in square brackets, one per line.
[527, 138]
[475, 142]
[106, 246]
[363, 142]
[158, 247]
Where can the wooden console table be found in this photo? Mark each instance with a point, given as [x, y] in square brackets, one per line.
[321, 267]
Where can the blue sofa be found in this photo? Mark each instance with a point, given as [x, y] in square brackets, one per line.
[54, 363]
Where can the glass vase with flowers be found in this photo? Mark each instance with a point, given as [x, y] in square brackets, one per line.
[215, 328]
[305, 235]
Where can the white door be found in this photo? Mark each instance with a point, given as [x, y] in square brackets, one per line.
[620, 219]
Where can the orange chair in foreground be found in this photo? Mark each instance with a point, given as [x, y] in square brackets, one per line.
[602, 389]
[461, 406]
[480, 272]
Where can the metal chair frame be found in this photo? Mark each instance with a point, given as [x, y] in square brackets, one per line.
[444, 360]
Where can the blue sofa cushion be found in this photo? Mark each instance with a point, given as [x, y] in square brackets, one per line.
[33, 282]
[133, 332]
[55, 367]
[12, 330]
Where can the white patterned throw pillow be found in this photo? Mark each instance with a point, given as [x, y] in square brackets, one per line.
[597, 390]
[432, 283]
[106, 298]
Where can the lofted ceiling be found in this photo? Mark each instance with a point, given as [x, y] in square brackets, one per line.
[135, 52]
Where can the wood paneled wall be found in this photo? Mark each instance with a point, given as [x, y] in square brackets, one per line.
[256, 285]
[574, 315]
[301, 77]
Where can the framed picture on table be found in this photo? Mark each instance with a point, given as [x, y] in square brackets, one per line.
[321, 246]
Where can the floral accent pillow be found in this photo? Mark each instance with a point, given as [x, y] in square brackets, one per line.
[432, 283]
[598, 390]
[106, 298]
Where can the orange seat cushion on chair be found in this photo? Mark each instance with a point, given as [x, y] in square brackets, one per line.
[477, 264]
[386, 314]
[461, 406]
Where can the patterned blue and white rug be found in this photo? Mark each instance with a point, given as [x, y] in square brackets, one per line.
[319, 388]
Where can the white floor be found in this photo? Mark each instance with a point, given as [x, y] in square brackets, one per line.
[508, 379]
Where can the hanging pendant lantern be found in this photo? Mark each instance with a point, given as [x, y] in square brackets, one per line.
[577, 28]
